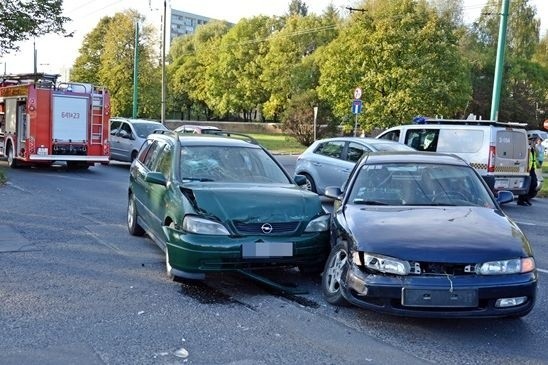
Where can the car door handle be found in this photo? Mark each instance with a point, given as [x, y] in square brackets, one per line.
[316, 164]
[345, 170]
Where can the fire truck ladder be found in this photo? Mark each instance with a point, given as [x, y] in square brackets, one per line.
[97, 116]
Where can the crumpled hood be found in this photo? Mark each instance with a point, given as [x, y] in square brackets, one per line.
[448, 234]
[255, 203]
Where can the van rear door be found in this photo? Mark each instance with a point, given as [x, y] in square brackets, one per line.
[511, 157]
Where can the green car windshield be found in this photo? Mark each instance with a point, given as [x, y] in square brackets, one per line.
[419, 184]
[229, 164]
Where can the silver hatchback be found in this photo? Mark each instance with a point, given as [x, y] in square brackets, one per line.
[328, 162]
[128, 135]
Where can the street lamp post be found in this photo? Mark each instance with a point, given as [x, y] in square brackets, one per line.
[164, 23]
[135, 69]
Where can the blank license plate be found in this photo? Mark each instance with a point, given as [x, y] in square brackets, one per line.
[439, 298]
[267, 249]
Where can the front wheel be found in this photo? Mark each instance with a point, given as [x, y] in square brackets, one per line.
[332, 275]
[12, 161]
[132, 226]
[310, 185]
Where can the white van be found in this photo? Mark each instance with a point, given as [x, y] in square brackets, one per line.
[498, 151]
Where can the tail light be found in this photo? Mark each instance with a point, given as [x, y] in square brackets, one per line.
[491, 162]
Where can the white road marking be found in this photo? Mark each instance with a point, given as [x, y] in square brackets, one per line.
[542, 270]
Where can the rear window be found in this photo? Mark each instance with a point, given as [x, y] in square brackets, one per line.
[511, 144]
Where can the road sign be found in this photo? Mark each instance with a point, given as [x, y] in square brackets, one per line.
[358, 93]
[357, 106]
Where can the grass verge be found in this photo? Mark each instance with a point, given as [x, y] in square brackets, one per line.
[279, 143]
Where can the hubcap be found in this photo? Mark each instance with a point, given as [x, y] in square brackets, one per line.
[334, 272]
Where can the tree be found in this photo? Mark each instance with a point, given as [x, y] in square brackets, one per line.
[88, 63]
[116, 65]
[191, 56]
[298, 119]
[524, 78]
[298, 7]
[21, 20]
[289, 67]
[405, 58]
[232, 77]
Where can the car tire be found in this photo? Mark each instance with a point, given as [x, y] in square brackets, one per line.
[310, 184]
[132, 226]
[332, 275]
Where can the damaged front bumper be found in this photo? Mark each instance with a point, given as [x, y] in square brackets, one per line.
[439, 296]
[193, 253]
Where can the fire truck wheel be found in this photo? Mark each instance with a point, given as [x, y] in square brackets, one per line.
[76, 165]
[12, 161]
[133, 227]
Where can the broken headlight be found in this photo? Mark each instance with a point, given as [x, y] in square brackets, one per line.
[319, 224]
[384, 264]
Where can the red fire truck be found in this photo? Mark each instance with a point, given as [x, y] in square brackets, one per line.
[42, 121]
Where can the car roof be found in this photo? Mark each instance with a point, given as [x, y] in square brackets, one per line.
[214, 140]
[134, 120]
[358, 140]
[413, 156]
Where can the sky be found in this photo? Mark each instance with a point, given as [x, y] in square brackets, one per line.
[56, 54]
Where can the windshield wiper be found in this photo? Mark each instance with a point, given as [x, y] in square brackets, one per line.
[368, 202]
[201, 179]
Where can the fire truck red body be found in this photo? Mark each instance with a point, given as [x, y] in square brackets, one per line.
[42, 121]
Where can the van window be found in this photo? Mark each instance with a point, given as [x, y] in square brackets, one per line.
[511, 144]
[460, 140]
[392, 135]
[422, 139]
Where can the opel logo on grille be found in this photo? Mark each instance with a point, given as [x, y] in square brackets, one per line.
[266, 228]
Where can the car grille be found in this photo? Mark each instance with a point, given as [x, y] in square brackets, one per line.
[435, 268]
[256, 228]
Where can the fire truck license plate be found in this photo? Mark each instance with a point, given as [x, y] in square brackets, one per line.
[42, 151]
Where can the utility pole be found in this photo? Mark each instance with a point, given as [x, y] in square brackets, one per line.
[135, 69]
[499, 68]
[164, 23]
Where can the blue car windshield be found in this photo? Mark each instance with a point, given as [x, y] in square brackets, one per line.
[420, 185]
[229, 164]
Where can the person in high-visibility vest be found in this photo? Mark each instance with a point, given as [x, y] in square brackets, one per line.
[525, 199]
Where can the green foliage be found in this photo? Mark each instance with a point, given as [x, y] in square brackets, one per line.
[298, 7]
[289, 67]
[405, 58]
[231, 78]
[298, 119]
[107, 58]
[21, 20]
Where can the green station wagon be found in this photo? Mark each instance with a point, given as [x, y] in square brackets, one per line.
[217, 203]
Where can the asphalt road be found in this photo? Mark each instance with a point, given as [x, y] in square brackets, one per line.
[75, 287]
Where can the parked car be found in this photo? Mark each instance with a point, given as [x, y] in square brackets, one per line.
[498, 151]
[127, 136]
[328, 161]
[421, 234]
[198, 129]
[215, 203]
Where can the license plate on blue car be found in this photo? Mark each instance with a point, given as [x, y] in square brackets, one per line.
[267, 249]
[464, 298]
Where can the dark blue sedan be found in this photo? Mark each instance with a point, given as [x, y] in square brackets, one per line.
[420, 234]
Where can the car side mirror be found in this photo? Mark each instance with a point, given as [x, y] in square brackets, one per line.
[156, 178]
[505, 196]
[299, 180]
[333, 192]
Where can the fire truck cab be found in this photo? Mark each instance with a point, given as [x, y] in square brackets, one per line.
[43, 121]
